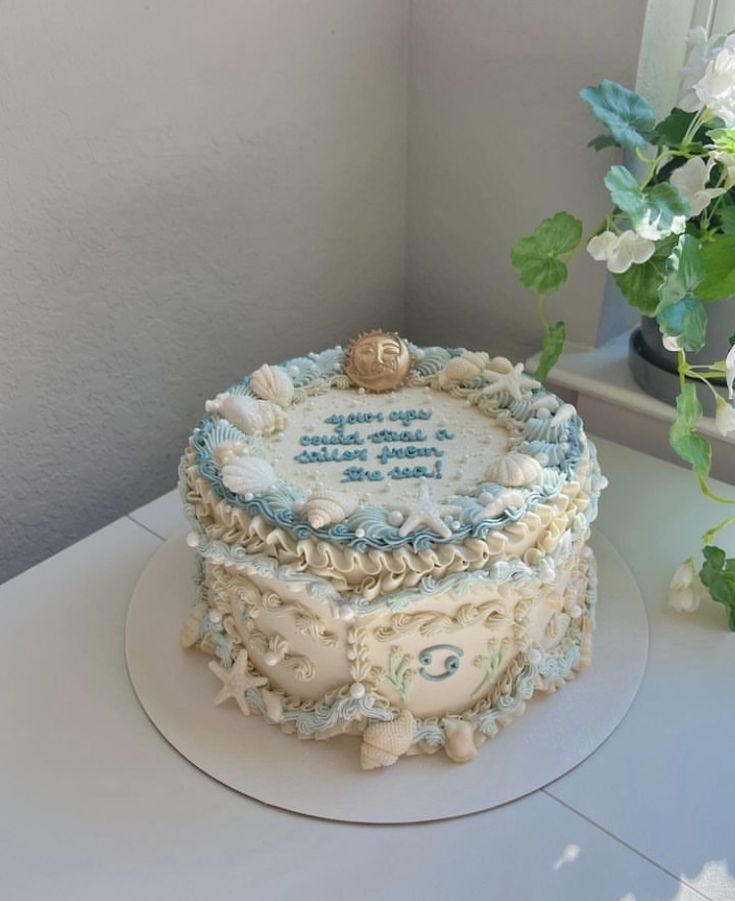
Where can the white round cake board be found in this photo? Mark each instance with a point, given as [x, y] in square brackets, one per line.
[324, 779]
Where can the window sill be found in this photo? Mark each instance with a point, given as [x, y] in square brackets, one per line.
[600, 384]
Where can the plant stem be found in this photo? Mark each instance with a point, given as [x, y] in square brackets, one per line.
[709, 536]
[707, 492]
[541, 313]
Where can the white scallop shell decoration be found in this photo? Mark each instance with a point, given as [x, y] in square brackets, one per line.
[227, 451]
[514, 470]
[252, 416]
[272, 383]
[463, 368]
[248, 475]
[325, 507]
[460, 742]
[384, 743]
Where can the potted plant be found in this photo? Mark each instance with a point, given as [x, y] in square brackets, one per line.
[669, 243]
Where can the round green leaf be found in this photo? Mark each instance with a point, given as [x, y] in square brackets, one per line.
[626, 114]
[640, 284]
[536, 257]
[719, 267]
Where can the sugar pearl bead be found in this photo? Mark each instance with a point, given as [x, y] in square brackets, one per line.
[270, 658]
[534, 656]
[215, 616]
[359, 533]
[456, 524]
[346, 613]
[357, 690]
[575, 612]
[395, 517]
[192, 539]
[249, 495]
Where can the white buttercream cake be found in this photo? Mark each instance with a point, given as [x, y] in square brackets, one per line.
[391, 543]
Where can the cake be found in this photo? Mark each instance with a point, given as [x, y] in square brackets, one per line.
[391, 543]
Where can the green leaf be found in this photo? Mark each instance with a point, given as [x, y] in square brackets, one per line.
[671, 130]
[723, 139]
[719, 266]
[553, 346]
[536, 257]
[655, 207]
[626, 114]
[727, 219]
[718, 575]
[686, 320]
[664, 202]
[684, 271]
[683, 436]
[625, 191]
[641, 283]
[602, 141]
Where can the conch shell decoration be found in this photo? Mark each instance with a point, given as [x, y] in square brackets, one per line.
[460, 743]
[252, 416]
[326, 507]
[248, 475]
[191, 628]
[514, 470]
[384, 743]
[463, 368]
[272, 383]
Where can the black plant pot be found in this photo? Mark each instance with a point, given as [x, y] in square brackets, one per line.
[655, 369]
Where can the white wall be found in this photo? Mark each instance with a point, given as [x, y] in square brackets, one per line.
[187, 189]
[191, 188]
[497, 139]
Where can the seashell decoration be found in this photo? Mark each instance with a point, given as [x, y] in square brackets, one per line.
[384, 743]
[273, 705]
[460, 743]
[563, 414]
[325, 507]
[248, 475]
[514, 470]
[500, 364]
[272, 383]
[463, 368]
[228, 450]
[191, 628]
[252, 416]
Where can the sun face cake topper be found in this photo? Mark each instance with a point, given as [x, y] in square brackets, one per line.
[377, 361]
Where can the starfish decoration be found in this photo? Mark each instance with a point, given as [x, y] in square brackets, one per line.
[236, 681]
[515, 382]
[425, 511]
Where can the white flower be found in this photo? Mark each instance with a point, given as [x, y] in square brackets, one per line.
[728, 162]
[716, 88]
[671, 342]
[691, 179]
[620, 251]
[686, 590]
[730, 371]
[648, 227]
[725, 417]
[701, 50]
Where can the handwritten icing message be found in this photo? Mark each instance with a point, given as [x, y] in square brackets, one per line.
[378, 446]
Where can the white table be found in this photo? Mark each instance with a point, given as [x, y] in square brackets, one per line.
[95, 805]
